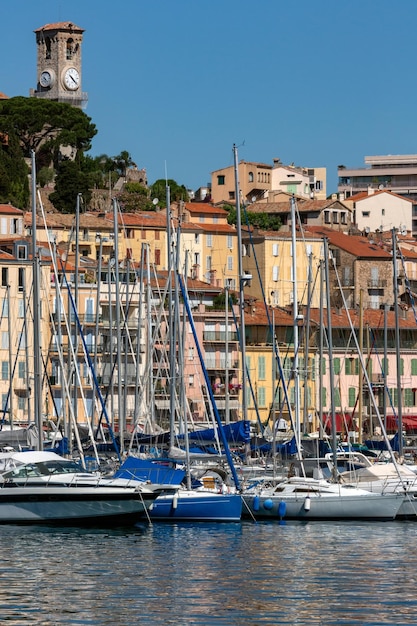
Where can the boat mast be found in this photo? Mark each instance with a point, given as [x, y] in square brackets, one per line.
[397, 343]
[37, 387]
[242, 279]
[296, 318]
[330, 347]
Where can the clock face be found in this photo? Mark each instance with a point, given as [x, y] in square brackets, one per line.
[45, 79]
[71, 79]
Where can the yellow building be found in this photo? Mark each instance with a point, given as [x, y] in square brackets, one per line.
[268, 258]
[270, 375]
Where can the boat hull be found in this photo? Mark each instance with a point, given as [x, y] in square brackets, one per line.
[197, 506]
[72, 505]
[329, 507]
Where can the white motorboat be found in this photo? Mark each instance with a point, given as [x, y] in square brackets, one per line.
[314, 499]
[43, 487]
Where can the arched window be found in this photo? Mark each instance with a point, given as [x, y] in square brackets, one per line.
[250, 177]
[47, 48]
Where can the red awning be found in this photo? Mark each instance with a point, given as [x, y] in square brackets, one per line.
[344, 422]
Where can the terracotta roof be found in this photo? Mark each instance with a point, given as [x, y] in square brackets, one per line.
[3, 96]
[218, 228]
[8, 209]
[204, 207]
[60, 26]
[67, 220]
[256, 315]
[303, 206]
[374, 318]
[364, 195]
[143, 219]
[357, 245]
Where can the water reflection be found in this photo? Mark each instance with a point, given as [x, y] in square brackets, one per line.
[231, 574]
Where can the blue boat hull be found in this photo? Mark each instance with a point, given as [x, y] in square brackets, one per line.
[197, 506]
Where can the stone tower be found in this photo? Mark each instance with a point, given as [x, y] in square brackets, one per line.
[59, 70]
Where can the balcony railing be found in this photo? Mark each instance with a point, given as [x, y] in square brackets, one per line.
[219, 336]
[377, 283]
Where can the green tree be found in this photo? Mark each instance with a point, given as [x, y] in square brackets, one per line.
[44, 126]
[70, 181]
[135, 197]
[263, 221]
[14, 184]
[177, 192]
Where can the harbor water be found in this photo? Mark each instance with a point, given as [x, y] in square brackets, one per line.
[244, 574]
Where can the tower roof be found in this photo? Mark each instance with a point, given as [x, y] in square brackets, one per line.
[3, 96]
[69, 26]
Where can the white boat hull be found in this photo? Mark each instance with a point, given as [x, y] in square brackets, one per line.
[72, 505]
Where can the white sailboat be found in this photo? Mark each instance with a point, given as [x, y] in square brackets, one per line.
[39, 486]
[314, 498]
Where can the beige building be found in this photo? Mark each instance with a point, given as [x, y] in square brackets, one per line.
[254, 182]
[381, 211]
[301, 181]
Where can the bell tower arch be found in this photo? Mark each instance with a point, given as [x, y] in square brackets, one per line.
[59, 68]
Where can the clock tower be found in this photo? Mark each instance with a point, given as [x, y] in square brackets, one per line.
[59, 64]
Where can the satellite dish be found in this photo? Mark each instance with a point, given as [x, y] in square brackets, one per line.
[367, 230]
[381, 186]
[253, 198]
[155, 201]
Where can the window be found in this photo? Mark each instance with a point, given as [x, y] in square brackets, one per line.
[191, 380]
[197, 238]
[230, 263]
[21, 370]
[385, 366]
[337, 397]
[352, 396]
[366, 213]
[4, 276]
[250, 177]
[191, 353]
[208, 263]
[336, 365]
[261, 396]
[20, 309]
[5, 308]
[157, 235]
[209, 241]
[89, 310]
[22, 253]
[5, 340]
[261, 368]
[275, 249]
[157, 256]
[21, 278]
[408, 397]
[414, 367]
[402, 367]
[215, 219]
[275, 273]
[335, 217]
[230, 242]
[221, 179]
[327, 217]
[5, 370]
[231, 195]
[343, 219]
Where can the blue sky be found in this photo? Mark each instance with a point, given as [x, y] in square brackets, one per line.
[316, 83]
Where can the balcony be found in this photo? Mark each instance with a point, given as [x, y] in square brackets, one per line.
[377, 283]
[219, 336]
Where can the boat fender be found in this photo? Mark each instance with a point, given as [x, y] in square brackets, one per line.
[282, 509]
[268, 504]
[175, 501]
[307, 503]
[256, 503]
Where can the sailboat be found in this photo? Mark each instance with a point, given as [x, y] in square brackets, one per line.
[203, 503]
[40, 486]
[299, 497]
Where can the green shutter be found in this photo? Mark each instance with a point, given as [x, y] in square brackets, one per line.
[352, 396]
[413, 367]
[336, 365]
